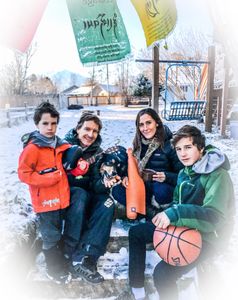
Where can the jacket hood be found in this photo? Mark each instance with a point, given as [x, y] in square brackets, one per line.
[71, 137]
[36, 138]
[211, 160]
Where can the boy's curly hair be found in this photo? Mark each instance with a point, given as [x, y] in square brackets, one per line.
[45, 108]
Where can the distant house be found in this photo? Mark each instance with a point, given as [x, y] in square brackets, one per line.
[98, 94]
[70, 89]
[63, 96]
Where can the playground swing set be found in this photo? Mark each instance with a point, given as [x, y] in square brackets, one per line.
[186, 109]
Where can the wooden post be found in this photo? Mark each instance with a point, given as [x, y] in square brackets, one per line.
[155, 78]
[8, 118]
[218, 111]
[108, 89]
[224, 98]
[210, 87]
[26, 111]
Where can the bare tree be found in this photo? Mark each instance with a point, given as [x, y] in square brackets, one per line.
[144, 67]
[14, 75]
[40, 85]
[188, 45]
[125, 79]
[224, 18]
[91, 80]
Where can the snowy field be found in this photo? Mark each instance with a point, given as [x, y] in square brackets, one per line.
[118, 127]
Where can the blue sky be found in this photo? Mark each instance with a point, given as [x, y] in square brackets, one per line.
[56, 48]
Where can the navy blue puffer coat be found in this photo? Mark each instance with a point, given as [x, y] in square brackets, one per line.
[164, 159]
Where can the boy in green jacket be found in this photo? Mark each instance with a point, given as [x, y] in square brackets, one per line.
[203, 199]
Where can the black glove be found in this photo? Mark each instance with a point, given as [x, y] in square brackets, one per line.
[71, 157]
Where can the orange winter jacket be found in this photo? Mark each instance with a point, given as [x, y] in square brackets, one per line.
[49, 191]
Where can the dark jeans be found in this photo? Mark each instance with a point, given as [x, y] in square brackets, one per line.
[53, 229]
[163, 192]
[165, 275]
[97, 229]
[87, 225]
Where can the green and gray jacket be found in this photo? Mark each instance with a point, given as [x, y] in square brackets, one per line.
[204, 197]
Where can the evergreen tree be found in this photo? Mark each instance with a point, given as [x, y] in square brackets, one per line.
[143, 86]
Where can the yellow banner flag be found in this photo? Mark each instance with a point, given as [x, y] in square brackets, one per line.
[158, 18]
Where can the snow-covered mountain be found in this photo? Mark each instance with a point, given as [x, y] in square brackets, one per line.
[64, 79]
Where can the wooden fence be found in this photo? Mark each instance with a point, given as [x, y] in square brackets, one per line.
[15, 115]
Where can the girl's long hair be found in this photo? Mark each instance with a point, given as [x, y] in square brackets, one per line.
[160, 132]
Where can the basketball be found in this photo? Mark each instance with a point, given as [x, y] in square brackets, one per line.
[177, 246]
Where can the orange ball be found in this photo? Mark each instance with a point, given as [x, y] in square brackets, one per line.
[177, 246]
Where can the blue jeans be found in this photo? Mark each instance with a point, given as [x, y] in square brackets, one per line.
[163, 192]
[67, 224]
[87, 225]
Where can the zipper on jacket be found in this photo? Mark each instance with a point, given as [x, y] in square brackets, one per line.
[180, 189]
[55, 156]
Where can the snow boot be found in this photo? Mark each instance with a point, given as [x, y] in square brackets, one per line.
[56, 266]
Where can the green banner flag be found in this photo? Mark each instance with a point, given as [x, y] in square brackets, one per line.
[99, 31]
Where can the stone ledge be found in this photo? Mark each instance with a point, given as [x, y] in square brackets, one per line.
[79, 289]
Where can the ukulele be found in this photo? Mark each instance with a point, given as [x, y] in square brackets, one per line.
[83, 164]
[96, 156]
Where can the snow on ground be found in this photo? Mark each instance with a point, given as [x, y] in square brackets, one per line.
[118, 127]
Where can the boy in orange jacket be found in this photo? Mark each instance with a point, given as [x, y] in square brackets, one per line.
[40, 166]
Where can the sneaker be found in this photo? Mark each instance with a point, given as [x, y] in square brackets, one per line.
[56, 266]
[87, 270]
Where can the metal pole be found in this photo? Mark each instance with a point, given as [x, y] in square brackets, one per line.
[92, 83]
[155, 78]
[224, 101]
[108, 90]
